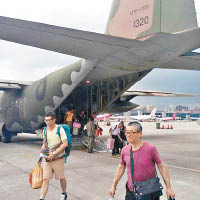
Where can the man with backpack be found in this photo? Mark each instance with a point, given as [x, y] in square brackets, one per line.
[55, 140]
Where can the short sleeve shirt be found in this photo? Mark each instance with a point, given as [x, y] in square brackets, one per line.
[115, 130]
[53, 138]
[144, 162]
[69, 116]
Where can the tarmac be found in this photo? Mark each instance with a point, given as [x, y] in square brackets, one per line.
[90, 176]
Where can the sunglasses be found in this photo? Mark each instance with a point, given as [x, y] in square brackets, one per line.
[130, 132]
[48, 120]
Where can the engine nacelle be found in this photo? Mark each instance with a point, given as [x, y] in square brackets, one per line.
[121, 106]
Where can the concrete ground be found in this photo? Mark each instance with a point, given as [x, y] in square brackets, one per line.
[90, 176]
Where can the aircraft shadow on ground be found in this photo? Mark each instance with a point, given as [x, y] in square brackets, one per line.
[25, 140]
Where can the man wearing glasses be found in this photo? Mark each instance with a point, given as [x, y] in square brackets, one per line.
[55, 160]
[145, 157]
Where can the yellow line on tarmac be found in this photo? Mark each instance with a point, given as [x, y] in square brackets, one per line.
[188, 169]
[173, 166]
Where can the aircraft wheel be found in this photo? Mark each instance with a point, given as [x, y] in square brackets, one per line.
[6, 138]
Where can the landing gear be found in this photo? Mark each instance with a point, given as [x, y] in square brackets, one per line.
[6, 135]
[6, 139]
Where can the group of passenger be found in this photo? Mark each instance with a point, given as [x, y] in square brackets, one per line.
[75, 120]
[140, 155]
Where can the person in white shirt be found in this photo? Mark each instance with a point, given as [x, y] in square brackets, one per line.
[115, 133]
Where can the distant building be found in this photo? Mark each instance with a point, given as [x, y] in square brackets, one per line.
[149, 108]
[185, 109]
[196, 110]
[181, 108]
[171, 108]
[141, 109]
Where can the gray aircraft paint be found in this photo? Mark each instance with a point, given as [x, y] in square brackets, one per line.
[62, 88]
[103, 52]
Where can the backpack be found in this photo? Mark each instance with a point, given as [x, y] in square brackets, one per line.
[69, 138]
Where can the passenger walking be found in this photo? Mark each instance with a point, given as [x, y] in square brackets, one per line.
[94, 116]
[122, 136]
[54, 162]
[114, 132]
[69, 116]
[139, 158]
[99, 133]
[82, 119]
[91, 134]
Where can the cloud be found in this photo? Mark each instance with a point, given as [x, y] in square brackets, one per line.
[29, 63]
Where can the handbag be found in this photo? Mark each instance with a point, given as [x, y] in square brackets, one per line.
[150, 187]
[110, 143]
[36, 177]
[76, 125]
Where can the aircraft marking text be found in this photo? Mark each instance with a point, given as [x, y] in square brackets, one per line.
[132, 18]
[143, 8]
[141, 22]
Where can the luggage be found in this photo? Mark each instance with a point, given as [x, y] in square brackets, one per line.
[75, 131]
[36, 177]
[110, 143]
[76, 125]
[69, 139]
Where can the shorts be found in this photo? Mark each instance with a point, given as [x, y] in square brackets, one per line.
[55, 166]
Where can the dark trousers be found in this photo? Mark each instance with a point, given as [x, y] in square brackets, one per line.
[116, 145]
[131, 196]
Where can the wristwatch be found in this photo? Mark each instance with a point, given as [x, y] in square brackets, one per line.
[54, 155]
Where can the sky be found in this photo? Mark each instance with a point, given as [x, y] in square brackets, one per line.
[19, 62]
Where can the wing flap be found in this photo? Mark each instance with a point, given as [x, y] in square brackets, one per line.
[121, 55]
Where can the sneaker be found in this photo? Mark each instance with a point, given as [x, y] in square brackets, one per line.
[63, 196]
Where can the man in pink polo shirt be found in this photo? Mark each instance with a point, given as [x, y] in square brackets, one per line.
[145, 157]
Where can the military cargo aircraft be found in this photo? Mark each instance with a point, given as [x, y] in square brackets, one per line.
[140, 36]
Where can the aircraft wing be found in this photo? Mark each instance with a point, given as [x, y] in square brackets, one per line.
[68, 41]
[184, 62]
[116, 56]
[131, 94]
[18, 85]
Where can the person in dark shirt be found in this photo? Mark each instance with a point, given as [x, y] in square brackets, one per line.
[122, 135]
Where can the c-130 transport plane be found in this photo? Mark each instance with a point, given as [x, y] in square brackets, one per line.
[140, 35]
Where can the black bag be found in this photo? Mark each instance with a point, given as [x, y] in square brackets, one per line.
[151, 186]
[132, 195]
